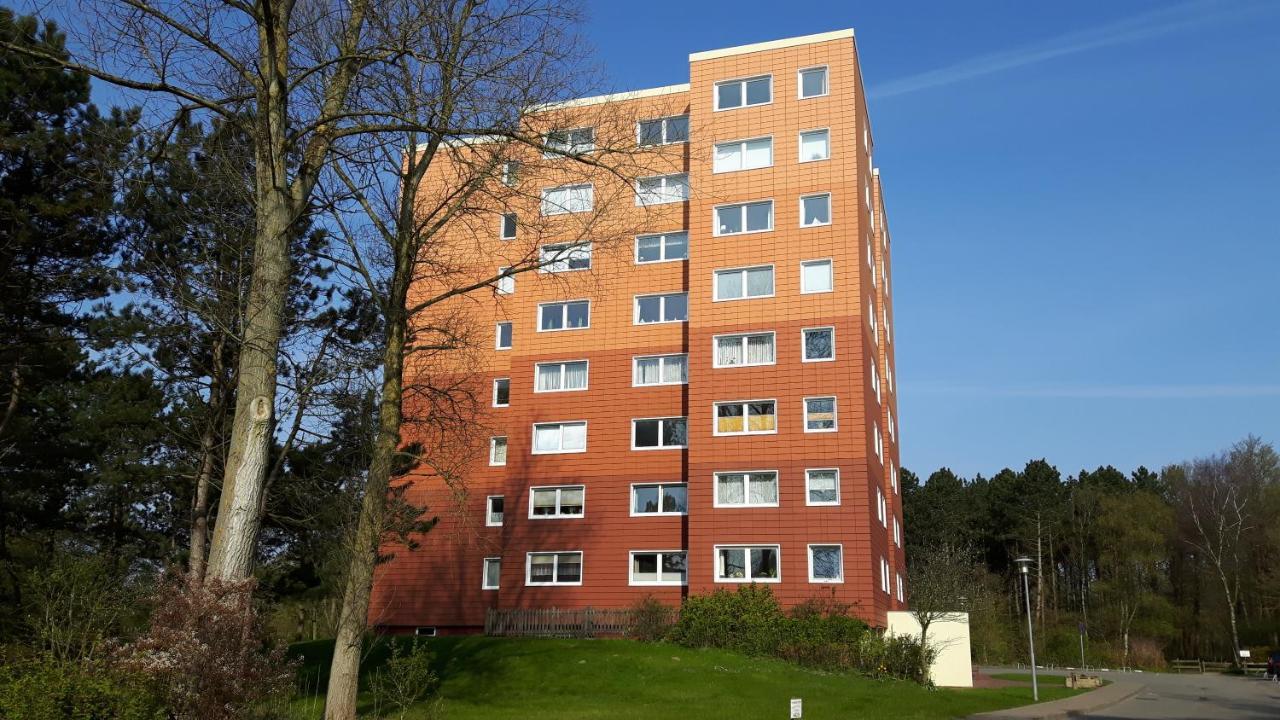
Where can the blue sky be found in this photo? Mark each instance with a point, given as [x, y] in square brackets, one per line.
[1084, 202]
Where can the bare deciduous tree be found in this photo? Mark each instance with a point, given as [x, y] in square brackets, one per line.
[941, 581]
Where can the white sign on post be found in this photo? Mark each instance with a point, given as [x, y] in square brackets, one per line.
[1245, 653]
[796, 708]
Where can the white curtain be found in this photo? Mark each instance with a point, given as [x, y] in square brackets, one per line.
[817, 277]
[575, 376]
[760, 281]
[675, 369]
[729, 285]
[730, 489]
[728, 157]
[648, 371]
[546, 438]
[763, 488]
[571, 500]
[729, 351]
[813, 146]
[548, 377]
[759, 154]
[759, 349]
[575, 436]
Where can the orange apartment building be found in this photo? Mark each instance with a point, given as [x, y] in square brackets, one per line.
[707, 397]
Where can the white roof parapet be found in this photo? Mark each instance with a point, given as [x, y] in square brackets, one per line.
[612, 97]
[771, 45]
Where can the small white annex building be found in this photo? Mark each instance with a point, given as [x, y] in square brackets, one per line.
[949, 637]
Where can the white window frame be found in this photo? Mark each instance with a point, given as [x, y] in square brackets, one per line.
[884, 575]
[882, 510]
[715, 225]
[747, 548]
[746, 489]
[515, 226]
[897, 532]
[807, 479]
[493, 450]
[555, 568]
[561, 209]
[879, 441]
[505, 284]
[511, 173]
[497, 335]
[831, 265]
[662, 247]
[558, 515]
[742, 337]
[533, 449]
[830, 209]
[563, 253]
[662, 308]
[631, 566]
[875, 379]
[572, 148]
[715, 93]
[900, 593]
[804, 347]
[661, 427]
[893, 478]
[537, 367]
[664, 190]
[715, 282]
[893, 428]
[663, 120]
[484, 573]
[488, 510]
[661, 513]
[746, 419]
[835, 413]
[662, 362]
[495, 392]
[742, 148]
[564, 315]
[839, 580]
[800, 144]
[826, 82]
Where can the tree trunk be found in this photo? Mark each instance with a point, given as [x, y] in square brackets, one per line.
[208, 464]
[344, 672]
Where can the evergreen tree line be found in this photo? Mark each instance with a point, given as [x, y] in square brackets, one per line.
[1148, 567]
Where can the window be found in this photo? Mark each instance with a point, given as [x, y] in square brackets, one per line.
[743, 418]
[743, 350]
[568, 199]
[510, 172]
[662, 189]
[659, 499]
[813, 82]
[669, 307]
[661, 248]
[508, 226]
[744, 218]
[893, 478]
[502, 392]
[875, 380]
[570, 142]
[884, 316]
[893, 429]
[826, 564]
[553, 568]
[663, 131]
[742, 283]
[822, 487]
[816, 276]
[493, 510]
[661, 370]
[819, 344]
[743, 155]
[880, 508]
[502, 336]
[572, 315]
[492, 573]
[871, 321]
[815, 145]
[897, 532]
[564, 257]
[889, 376]
[747, 489]
[884, 575]
[759, 563]
[732, 94]
[506, 284]
[820, 414]
[561, 437]
[901, 597]
[656, 433]
[560, 376]
[556, 502]
[815, 210]
[498, 450]
[426, 631]
[658, 568]
[878, 439]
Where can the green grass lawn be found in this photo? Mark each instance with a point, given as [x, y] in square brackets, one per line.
[536, 679]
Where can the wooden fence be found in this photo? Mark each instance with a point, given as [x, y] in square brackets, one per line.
[1199, 666]
[556, 622]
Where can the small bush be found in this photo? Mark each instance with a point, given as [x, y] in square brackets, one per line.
[748, 621]
[43, 687]
[406, 678]
[651, 620]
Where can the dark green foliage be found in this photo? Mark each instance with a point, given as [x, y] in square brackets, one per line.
[748, 620]
[651, 619]
[41, 687]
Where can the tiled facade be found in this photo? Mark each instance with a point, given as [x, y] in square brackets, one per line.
[442, 583]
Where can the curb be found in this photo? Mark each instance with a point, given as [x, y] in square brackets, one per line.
[1072, 707]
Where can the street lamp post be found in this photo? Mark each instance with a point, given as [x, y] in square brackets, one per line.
[1024, 566]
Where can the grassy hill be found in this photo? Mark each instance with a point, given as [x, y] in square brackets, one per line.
[533, 679]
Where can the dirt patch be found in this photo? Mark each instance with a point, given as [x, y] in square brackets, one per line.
[982, 680]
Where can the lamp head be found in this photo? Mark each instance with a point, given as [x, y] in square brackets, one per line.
[1024, 565]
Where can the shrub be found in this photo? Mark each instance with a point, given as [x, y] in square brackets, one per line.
[650, 620]
[748, 621]
[43, 687]
[406, 677]
[74, 605]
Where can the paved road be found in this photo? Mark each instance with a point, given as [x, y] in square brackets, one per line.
[1192, 697]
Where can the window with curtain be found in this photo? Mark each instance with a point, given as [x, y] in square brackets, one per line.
[745, 349]
[736, 418]
[819, 344]
[662, 370]
[743, 155]
[819, 414]
[561, 376]
[559, 437]
[568, 199]
[662, 189]
[744, 218]
[552, 502]
[662, 247]
[747, 488]
[573, 315]
[494, 510]
[492, 573]
[498, 450]
[545, 568]
[815, 210]
[815, 145]
[740, 283]
[506, 284]
[747, 564]
[823, 486]
[816, 276]
[659, 499]
[826, 563]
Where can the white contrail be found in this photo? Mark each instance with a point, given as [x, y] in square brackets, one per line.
[1139, 27]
